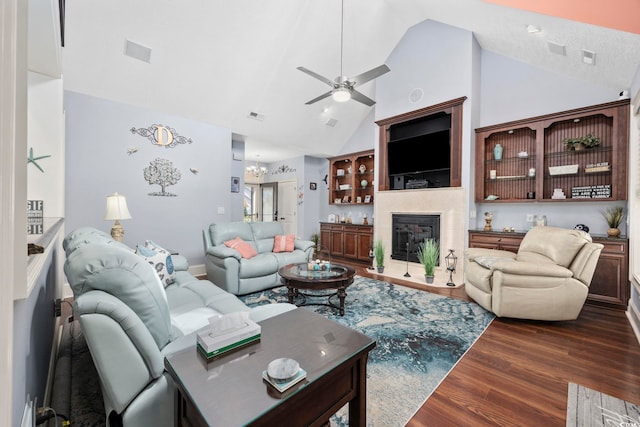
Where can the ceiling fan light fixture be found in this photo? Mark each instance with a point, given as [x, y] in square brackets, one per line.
[341, 95]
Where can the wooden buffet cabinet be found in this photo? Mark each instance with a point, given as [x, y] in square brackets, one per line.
[348, 241]
[610, 283]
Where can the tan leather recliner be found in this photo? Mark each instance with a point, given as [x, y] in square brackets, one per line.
[548, 279]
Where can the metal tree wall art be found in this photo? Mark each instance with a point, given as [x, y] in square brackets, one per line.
[161, 172]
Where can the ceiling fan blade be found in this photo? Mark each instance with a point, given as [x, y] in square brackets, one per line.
[370, 75]
[357, 96]
[317, 76]
[323, 96]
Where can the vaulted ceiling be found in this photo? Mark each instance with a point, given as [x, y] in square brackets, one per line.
[220, 61]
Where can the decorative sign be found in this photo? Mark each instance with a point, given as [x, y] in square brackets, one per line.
[591, 192]
[163, 136]
[283, 169]
[35, 209]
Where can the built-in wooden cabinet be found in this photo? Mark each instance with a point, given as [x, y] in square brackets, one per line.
[490, 240]
[350, 241]
[351, 178]
[535, 164]
[610, 284]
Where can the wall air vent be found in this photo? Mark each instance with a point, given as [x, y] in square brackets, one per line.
[255, 116]
[557, 48]
[588, 57]
[137, 51]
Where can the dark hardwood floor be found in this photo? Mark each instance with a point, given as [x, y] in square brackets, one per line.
[517, 373]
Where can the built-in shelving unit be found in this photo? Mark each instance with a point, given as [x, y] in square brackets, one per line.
[351, 178]
[537, 165]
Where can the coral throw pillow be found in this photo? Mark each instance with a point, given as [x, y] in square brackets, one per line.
[284, 243]
[246, 250]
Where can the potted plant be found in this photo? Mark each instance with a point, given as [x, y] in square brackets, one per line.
[613, 216]
[315, 238]
[588, 141]
[428, 255]
[378, 252]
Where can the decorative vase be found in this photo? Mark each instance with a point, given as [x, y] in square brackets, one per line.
[429, 279]
[613, 232]
[380, 269]
[364, 183]
[497, 152]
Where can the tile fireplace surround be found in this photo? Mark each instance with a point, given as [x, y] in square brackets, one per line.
[449, 203]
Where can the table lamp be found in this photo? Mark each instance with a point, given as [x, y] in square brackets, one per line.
[117, 210]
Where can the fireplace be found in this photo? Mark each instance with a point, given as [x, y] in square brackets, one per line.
[409, 231]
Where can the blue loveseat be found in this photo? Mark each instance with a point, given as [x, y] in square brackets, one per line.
[228, 269]
[131, 321]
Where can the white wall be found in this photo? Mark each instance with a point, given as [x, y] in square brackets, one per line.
[46, 137]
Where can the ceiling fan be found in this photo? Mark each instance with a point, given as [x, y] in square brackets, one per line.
[342, 87]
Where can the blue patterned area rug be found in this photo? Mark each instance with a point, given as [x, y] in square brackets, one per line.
[420, 336]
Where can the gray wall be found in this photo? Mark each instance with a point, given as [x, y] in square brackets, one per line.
[97, 164]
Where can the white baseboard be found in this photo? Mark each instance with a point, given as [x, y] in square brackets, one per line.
[634, 320]
[198, 270]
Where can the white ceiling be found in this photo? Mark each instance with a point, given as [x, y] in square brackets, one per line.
[216, 61]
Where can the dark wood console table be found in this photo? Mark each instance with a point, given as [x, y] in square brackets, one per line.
[230, 391]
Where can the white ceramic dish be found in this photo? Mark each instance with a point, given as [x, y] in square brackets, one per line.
[283, 369]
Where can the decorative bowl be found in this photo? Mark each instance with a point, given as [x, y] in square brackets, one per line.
[282, 369]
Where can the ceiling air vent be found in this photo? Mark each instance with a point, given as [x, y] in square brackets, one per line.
[137, 51]
[557, 48]
[331, 122]
[255, 116]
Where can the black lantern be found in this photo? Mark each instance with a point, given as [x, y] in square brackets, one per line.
[451, 261]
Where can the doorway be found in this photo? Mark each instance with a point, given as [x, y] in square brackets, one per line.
[273, 201]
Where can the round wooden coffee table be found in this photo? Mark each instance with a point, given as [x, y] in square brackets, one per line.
[298, 277]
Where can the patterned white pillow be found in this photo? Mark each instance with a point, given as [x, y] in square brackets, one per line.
[160, 259]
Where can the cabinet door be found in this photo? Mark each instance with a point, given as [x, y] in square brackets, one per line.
[365, 242]
[610, 283]
[325, 239]
[350, 248]
[337, 241]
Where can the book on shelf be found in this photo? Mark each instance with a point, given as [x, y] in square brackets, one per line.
[282, 386]
[594, 169]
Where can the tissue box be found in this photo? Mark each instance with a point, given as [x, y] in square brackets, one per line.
[213, 344]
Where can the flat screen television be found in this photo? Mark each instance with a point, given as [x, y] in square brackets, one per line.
[418, 154]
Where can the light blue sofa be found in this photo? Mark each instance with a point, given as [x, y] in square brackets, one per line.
[239, 276]
[131, 322]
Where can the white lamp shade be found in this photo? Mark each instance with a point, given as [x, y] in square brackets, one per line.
[341, 95]
[116, 208]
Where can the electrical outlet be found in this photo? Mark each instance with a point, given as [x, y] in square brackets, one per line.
[529, 217]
